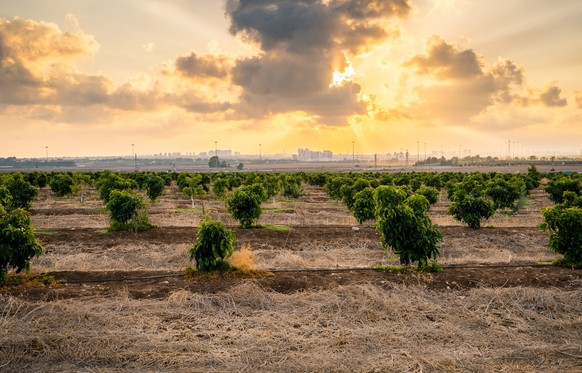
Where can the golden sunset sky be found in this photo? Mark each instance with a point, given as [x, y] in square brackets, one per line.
[90, 78]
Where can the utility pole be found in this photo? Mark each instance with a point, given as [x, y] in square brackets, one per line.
[425, 151]
[417, 152]
[353, 155]
[375, 161]
[260, 155]
[216, 149]
[46, 153]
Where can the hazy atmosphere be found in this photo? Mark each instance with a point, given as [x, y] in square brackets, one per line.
[81, 78]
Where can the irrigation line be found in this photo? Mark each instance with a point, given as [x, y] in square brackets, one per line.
[305, 270]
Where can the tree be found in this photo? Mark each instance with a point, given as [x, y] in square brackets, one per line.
[17, 242]
[557, 187]
[80, 182]
[471, 210]
[364, 207]
[214, 162]
[430, 193]
[564, 221]
[503, 193]
[108, 181]
[245, 205]
[21, 191]
[61, 184]
[405, 225]
[154, 186]
[220, 187]
[194, 189]
[127, 212]
[214, 243]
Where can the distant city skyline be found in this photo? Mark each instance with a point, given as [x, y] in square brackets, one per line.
[87, 77]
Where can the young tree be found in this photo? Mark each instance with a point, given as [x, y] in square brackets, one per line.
[214, 243]
[21, 191]
[80, 183]
[17, 242]
[108, 181]
[220, 187]
[61, 184]
[245, 204]
[127, 211]
[471, 210]
[364, 207]
[430, 193]
[564, 221]
[193, 189]
[154, 186]
[405, 225]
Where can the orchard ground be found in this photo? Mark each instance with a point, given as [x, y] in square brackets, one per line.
[122, 302]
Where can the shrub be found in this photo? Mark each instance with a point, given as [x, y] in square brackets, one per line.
[405, 226]
[21, 191]
[213, 245]
[564, 222]
[245, 205]
[127, 212]
[62, 184]
[430, 193]
[470, 209]
[154, 186]
[557, 187]
[17, 242]
[364, 208]
[109, 182]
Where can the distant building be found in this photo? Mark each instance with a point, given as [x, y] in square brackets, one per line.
[314, 155]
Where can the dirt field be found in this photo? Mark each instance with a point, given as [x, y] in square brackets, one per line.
[123, 303]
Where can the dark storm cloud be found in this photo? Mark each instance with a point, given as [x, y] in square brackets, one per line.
[302, 43]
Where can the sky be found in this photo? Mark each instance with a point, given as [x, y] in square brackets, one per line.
[91, 78]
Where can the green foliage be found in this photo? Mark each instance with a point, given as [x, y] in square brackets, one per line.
[245, 205]
[505, 193]
[405, 226]
[22, 192]
[430, 193]
[291, 187]
[557, 187]
[214, 243]
[564, 221]
[17, 242]
[127, 212]
[109, 181]
[154, 186]
[5, 197]
[364, 208]
[470, 209]
[220, 187]
[62, 184]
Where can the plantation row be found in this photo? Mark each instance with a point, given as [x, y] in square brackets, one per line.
[397, 203]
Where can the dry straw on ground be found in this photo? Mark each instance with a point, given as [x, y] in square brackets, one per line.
[352, 328]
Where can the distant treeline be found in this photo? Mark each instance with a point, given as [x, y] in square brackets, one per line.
[13, 162]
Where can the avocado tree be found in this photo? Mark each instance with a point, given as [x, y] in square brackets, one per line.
[564, 221]
[22, 192]
[214, 243]
[61, 184]
[194, 189]
[470, 205]
[154, 186]
[109, 181]
[405, 225]
[364, 207]
[127, 212]
[245, 204]
[17, 242]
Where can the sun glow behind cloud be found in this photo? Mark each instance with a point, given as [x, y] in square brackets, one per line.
[340, 78]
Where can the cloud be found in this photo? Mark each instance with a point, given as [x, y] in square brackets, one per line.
[205, 66]
[302, 43]
[551, 97]
[578, 99]
[458, 84]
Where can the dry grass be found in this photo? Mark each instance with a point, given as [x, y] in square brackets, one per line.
[244, 258]
[352, 328]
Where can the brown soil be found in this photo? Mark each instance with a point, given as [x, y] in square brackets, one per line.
[157, 285]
